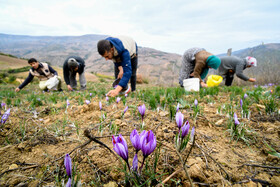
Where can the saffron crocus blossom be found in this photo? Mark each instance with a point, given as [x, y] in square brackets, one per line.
[125, 95]
[192, 133]
[118, 99]
[236, 122]
[107, 98]
[68, 165]
[68, 183]
[195, 102]
[67, 102]
[120, 146]
[185, 129]
[135, 163]
[5, 116]
[3, 104]
[142, 110]
[87, 102]
[245, 96]
[178, 106]
[90, 94]
[148, 143]
[135, 140]
[179, 119]
[241, 103]
[126, 108]
[100, 105]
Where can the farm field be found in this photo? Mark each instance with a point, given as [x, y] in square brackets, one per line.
[234, 140]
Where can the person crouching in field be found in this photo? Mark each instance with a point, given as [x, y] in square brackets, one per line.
[231, 65]
[196, 63]
[123, 51]
[71, 67]
[43, 71]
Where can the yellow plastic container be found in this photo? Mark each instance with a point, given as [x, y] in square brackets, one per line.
[214, 80]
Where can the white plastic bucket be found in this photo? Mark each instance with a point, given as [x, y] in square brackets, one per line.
[191, 84]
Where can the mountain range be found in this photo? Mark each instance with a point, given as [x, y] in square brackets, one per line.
[157, 66]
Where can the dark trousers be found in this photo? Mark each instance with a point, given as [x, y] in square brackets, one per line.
[134, 64]
[229, 79]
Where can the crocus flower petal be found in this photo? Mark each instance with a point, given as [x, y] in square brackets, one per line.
[126, 108]
[68, 165]
[122, 141]
[5, 116]
[178, 106]
[195, 102]
[236, 122]
[245, 96]
[121, 151]
[135, 163]
[179, 119]
[135, 140]
[68, 183]
[185, 129]
[100, 105]
[193, 131]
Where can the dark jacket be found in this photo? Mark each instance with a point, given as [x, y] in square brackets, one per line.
[66, 70]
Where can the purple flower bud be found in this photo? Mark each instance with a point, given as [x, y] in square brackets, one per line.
[270, 84]
[192, 133]
[178, 106]
[125, 95]
[142, 110]
[68, 183]
[135, 163]
[107, 98]
[3, 104]
[126, 108]
[100, 105]
[87, 102]
[245, 96]
[148, 143]
[185, 129]
[67, 102]
[179, 119]
[195, 102]
[236, 122]
[118, 99]
[120, 147]
[135, 140]
[5, 116]
[241, 103]
[68, 165]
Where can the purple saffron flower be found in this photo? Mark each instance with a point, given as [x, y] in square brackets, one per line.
[107, 98]
[125, 95]
[120, 146]
[192, 133]
[87, 102]
[179, 119]
[270, 84]
[241, 103]
[68, 183]
[195, 102]
[142, 110]
[185, 129]
[68, 165]
[100, 105]
[118, 99]
[245, 96]
[178, 106]
[126, 108]
[148, 143]
[236, 122]
[3, 104]
[90, 94]
[135, 163]
[135, 140]
[5, 116]
[67, 102]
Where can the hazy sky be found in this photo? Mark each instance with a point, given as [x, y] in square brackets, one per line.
[167, 25]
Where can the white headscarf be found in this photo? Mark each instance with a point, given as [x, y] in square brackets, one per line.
[251, 61]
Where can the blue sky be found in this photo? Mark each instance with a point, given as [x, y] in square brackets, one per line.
[167, 25]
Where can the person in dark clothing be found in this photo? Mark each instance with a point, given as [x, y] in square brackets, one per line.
[231, 65]
[41, 70]
[122, 50]
[71, 67]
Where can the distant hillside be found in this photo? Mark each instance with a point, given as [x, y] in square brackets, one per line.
[156, 65]
[159, 67]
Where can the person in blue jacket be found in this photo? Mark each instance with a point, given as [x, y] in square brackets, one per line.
[123, 52]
